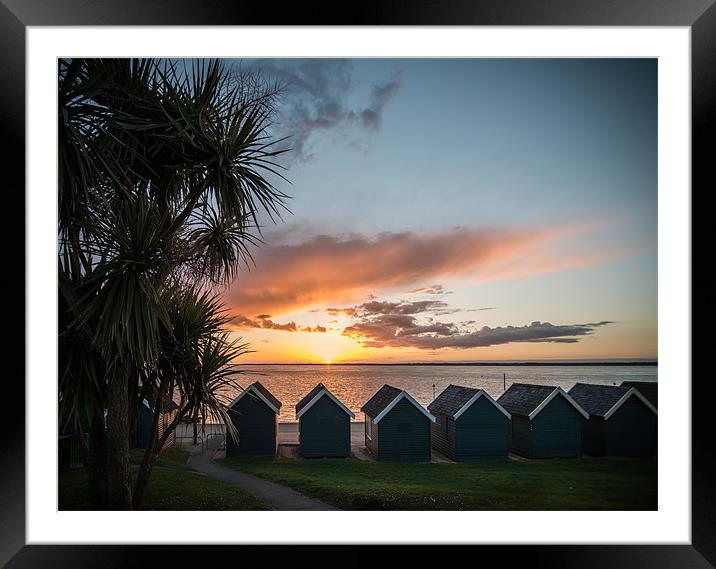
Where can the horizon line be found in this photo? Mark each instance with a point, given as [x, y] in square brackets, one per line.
[468, 363]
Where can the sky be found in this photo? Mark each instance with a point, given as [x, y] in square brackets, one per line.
[458, 210]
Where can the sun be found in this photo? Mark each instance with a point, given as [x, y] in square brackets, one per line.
[327, 361]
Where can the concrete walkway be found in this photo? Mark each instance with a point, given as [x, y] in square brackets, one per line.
[277, 496]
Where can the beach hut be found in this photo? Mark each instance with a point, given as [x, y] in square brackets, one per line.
[143, 431]
[397, 428]
[546, 421]
[324, 425]
[254, 413]
[622, 421]
[649, 389]
[470, 425]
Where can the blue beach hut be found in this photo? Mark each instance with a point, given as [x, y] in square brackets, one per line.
[470, 425]
[324, 425]
[397, 428]
[622, 421]
[546, 421]
[254, 414]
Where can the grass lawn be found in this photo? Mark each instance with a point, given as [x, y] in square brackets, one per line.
[172, 486]
[566, 484]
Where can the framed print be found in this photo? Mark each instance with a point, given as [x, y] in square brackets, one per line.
[416, 260]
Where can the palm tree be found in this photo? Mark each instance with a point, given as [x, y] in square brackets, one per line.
[194, 364]
[165, 168]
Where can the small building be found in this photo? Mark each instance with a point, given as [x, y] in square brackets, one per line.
[470, 425]
[546, 421]
[397, 428]
[649, 389]
[143, 431]
[324, 425]
[622, 421]
[254, 413]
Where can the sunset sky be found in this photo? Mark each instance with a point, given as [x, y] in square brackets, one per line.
[459, 210]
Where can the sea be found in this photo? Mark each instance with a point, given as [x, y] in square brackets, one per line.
[355, 384]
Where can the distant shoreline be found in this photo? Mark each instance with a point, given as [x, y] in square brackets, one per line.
[484, 364]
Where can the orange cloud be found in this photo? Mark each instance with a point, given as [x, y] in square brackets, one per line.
[326, 269]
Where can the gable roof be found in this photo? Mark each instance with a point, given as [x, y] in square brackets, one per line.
[380, 400]
[310, 395]
[455, 400]
[604, 400]
[267, 394]
[262, 393]
[649, 389]
[597, 399]
[385, 399]
[526, 400]
[314, 396]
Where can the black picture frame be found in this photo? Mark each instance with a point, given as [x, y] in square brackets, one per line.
[17, 15]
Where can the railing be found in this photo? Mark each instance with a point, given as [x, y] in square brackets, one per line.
[198, 438]
[208, 438]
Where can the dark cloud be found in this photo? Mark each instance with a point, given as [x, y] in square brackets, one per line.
[316, 98]
[374, 307]
[371, 117]
[263, 321]
[403, 307]
[396, 324]
[435, 289]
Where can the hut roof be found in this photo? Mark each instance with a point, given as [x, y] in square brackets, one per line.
[385, 399]
[380, 400]
[527, 400]
[264, 394]
[597, 399]
[310, 395]
[649, 389]
[604, 400]
[455, 400]
[267, 394]
[314, 395]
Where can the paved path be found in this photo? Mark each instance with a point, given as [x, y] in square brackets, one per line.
[277, 496]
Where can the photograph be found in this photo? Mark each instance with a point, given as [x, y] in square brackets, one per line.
[406, 278]
[323, 283]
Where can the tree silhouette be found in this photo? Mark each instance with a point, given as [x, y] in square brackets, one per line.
[165, 169]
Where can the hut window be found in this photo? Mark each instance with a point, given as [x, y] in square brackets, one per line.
[369, 428]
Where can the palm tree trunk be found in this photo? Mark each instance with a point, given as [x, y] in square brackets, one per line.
[118, 465]
[96, 465]
[145, 469]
